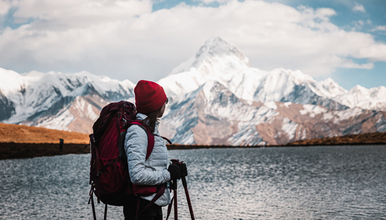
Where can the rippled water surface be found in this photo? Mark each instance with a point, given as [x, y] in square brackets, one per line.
[344, 182]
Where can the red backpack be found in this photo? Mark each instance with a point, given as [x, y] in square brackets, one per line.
[109, 176]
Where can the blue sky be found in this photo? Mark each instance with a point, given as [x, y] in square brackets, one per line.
[342, 39]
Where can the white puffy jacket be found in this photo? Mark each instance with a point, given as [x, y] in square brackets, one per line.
[152, 171]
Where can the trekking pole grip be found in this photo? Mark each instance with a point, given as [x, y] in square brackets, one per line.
[173, 184]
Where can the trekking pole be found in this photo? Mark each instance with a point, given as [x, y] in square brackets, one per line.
[175, 203]
[174, 187]
[188, 197]
[183, 178]
[92, 203]
[105, 217]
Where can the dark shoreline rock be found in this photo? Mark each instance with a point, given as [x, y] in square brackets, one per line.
[359, 139]
[28, 150]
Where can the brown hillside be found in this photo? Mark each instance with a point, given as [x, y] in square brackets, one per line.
[10, 133]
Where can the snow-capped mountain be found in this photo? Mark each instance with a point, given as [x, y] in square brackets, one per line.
[213, 115]
[215, 61]
[216, 97]
[56, 100]
[224, 63]
[359, 96]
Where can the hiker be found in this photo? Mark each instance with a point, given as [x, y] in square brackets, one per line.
[150, 101]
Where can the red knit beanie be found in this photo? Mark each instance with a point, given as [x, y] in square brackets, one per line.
[149, 96]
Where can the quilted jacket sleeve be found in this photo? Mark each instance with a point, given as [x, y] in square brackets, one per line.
[144, 172]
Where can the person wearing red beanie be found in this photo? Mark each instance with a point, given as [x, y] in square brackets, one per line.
[149, 96]
[150, 101]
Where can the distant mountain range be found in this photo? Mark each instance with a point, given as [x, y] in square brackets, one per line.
[59, 101]
[216, 98]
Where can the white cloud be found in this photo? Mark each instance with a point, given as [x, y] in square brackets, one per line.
[379, 28]
[213, 1]
[4, 7]
[69, 14]
[359, 7]
[374, 52]
[125, 39]
[358, 25]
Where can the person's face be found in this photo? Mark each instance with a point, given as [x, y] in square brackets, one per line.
[161, 113]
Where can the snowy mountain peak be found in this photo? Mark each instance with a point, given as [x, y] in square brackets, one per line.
[10, 81]
[331, 83]
[215, 55]
[216, 60]
[358, 89]
[378, 92]
[330, 88]
[297, 76]
[362, 97]
[216, 46]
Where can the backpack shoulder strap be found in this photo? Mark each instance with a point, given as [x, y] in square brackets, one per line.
[150, 136]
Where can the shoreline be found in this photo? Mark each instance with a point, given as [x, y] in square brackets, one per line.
[190, 147]
[31, 150]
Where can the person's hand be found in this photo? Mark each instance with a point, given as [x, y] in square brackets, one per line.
[175, 172]
[183, 169]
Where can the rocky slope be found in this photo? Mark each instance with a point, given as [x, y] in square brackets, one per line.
[21, 141]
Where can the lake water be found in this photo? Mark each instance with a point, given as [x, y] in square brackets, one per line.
[342, 182]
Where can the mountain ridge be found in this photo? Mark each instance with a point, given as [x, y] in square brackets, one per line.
[216, 97]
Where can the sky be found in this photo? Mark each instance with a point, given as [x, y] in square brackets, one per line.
[340, 39]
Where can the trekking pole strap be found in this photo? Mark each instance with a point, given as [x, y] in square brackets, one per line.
[170, 208]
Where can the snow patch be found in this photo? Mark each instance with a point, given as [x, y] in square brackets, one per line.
[271, 105]
[287, 104]
[312, 110]
[327, 116]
